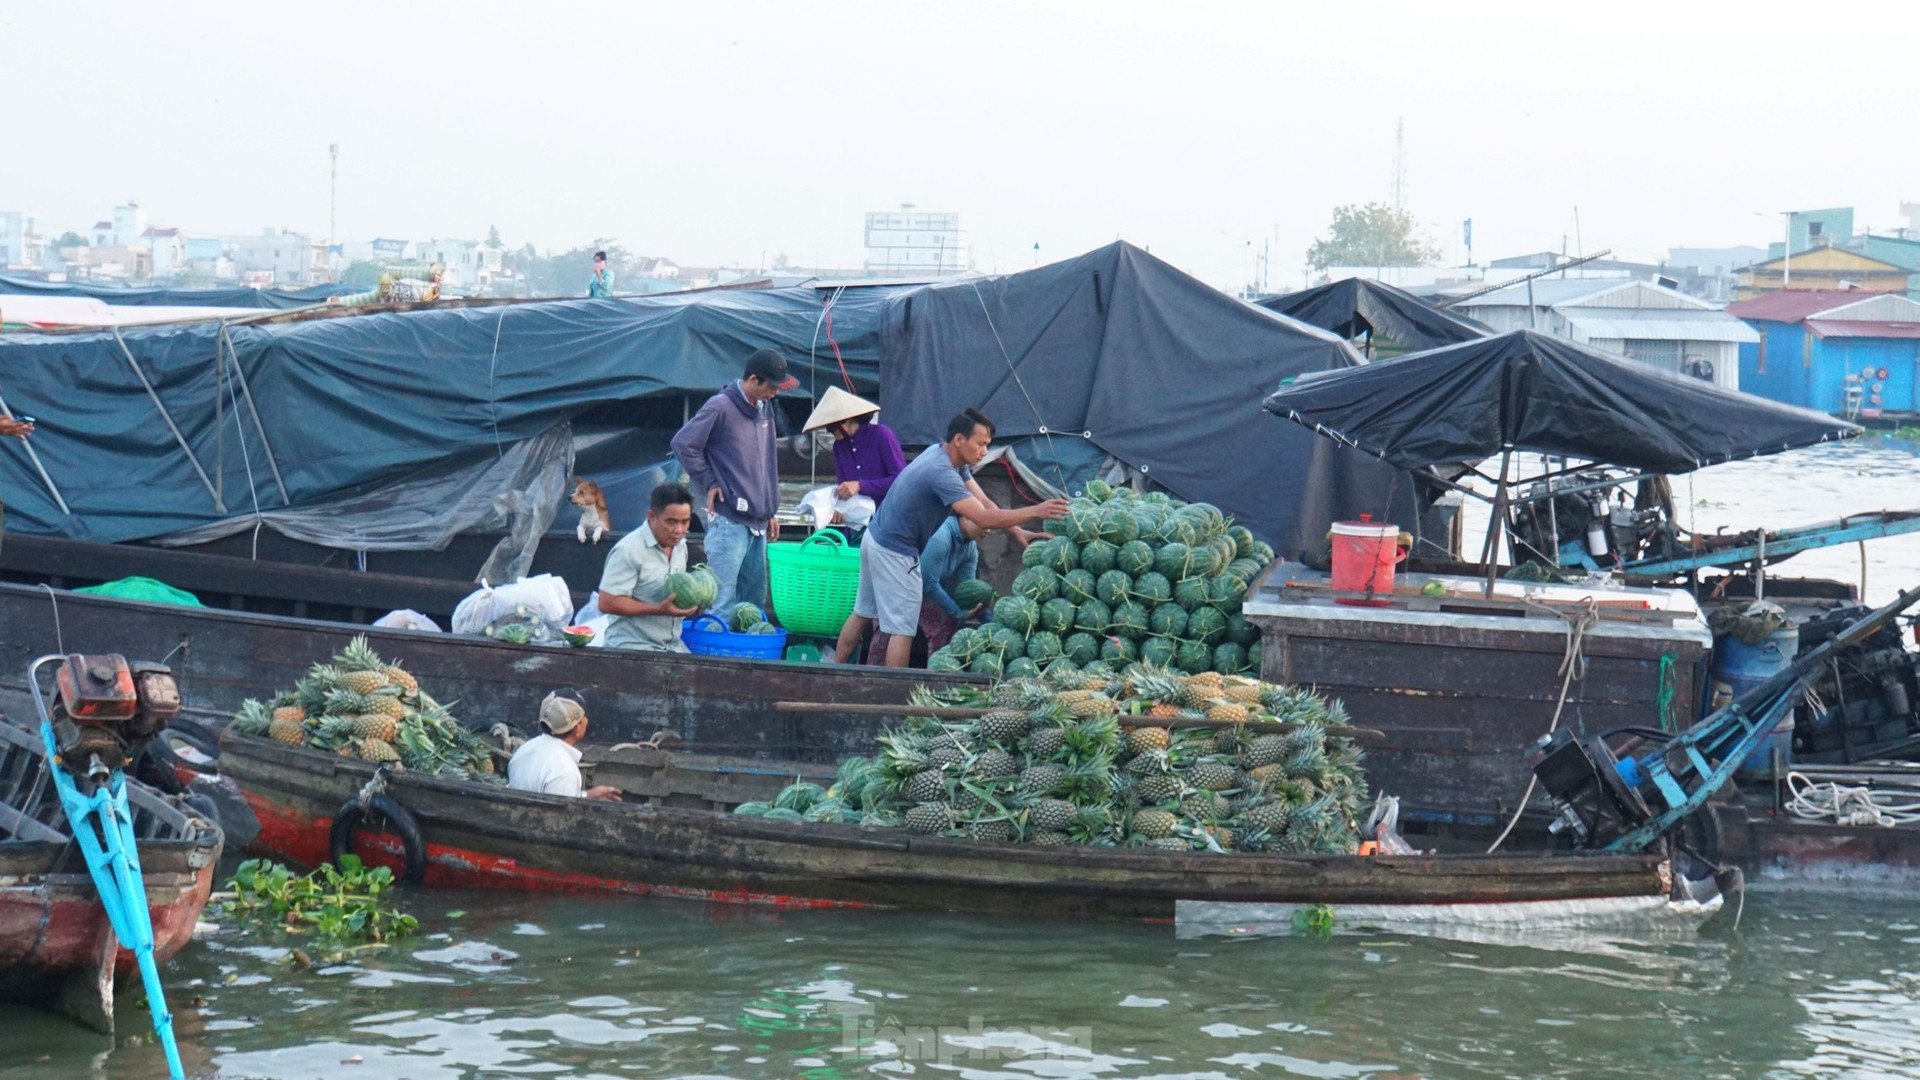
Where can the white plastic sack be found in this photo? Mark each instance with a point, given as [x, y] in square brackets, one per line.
[543, 599]
[820, 505]
[406, 619]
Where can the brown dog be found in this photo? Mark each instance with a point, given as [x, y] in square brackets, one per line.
[593, 509]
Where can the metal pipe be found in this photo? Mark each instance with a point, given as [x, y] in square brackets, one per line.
[247, 392]
[37, 467]
[168, 417]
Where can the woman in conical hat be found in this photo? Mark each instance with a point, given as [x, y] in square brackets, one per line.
[866, 453]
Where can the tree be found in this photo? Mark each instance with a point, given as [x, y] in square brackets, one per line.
[493, 238]
[362, 274]
[70, 239]
[1372, 235]
[780, 262]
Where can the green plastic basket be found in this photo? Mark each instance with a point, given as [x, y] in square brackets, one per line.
[814, 582]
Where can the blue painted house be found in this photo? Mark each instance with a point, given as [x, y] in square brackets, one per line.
[1842, 352]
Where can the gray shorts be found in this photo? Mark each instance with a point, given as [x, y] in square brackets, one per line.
[889, 589]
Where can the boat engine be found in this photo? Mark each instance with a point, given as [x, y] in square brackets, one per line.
[1589, 787]
[1860, 706]
[105, 709]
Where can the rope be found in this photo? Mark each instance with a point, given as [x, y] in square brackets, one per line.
[1846, 804]
[1059, 470]
[1666, 692]
[246, 457]
[1573, 665]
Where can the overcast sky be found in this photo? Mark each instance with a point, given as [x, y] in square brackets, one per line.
[713, 133]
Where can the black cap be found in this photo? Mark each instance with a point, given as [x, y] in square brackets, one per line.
[769, 366]
[600, 256]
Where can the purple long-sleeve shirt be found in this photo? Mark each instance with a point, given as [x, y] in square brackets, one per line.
[872, 457]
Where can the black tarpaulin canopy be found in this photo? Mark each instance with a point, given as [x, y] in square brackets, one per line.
[1356, 306]
[1525, 391]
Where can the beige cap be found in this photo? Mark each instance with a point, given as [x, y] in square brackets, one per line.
[837, 405]
[560, 715]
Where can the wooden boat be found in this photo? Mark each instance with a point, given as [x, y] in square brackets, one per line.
[56, 946]
[676, 838]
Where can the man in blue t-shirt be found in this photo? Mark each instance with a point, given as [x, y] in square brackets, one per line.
[934, 486]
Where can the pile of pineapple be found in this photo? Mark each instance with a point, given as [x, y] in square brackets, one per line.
[362, 707]
[1055, 760]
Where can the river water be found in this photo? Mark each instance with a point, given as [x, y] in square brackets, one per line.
[496, 985]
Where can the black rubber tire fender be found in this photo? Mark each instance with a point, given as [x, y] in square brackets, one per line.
[353, 813]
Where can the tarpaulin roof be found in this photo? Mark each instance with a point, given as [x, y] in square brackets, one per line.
[1355, 306]
[1121, 350]
[228, 297]
[349, 401]
[1530, 392]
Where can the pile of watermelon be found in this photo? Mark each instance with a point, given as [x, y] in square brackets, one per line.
[1124, 577]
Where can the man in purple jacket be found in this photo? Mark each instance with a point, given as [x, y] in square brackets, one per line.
[728, 448]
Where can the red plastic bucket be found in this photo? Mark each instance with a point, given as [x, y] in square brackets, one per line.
[1364, 555]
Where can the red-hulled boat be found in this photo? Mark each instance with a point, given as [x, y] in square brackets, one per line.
[56, 946]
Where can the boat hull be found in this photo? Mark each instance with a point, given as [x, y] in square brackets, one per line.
[487, 836]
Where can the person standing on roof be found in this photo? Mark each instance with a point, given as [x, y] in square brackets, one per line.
[866, 453]
[935, 486]
[729, 449]
[601, 286]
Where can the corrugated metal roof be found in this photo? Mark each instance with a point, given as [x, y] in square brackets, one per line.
[1623, 324]
[1793, 305]
[1547, 292]
[1862, 328]
[1882, 307]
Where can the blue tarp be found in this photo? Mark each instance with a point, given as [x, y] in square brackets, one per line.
[1161, 371]
[227, 297]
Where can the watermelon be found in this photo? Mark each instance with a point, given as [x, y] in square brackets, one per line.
[1113, 588]
[781, 813]
[1158, 498]
[1118, 652]
[1062, 669]
[1191, 593]
[799, 797]
[1008, 643]
[1036, 583]
[1222, 554]
[1035, 554]
[1229, 658]
[1060, 555]
[1079, 586]
[1021, 667]
[1082, 648]
[1093, 617]
[1099, 669]
[1017, 613]
[1174, 561]
[577, 635]
[988, 663]
[1082, 522]
[1242, 538]
[1134, 558]
[1097, 557]
[1152, 587]
[1240, 631]
[1129, 620]
[1262, 552]
[971, 593]
[945, 660]
[695, 588]
[1168, 620]
[1159, 651]
[1057, 615]
[1206, 624]
[1118, 526]
[743, 617]
[1253, 657]
[763, 628]
[1043, 647]
[964, 643]
[1099, 490]
[1245, 569]
[1193, 657]
[515, 634]
[1226, 592]
[752, 809]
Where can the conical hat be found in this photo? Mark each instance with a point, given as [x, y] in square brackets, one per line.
[837, 405]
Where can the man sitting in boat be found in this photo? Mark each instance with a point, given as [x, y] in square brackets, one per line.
[633, 587]
[935, 486]
[550, 763]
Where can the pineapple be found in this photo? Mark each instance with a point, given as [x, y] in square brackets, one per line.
[386, 702]
[1005, 725]
[1153, 824]
[1049, 839]
[1041, 779]
[1144, 739]
[995, 763]
[360, 667]
[1263, 751]
[1228, 711]
[1149, 762]
[1169, 843]
[1163, 710]
[253, 718]
[929, 818]
[291, 732]
[1211, 775]
[1207, 684]
[403, 679]
[375, 726]
[1087, 704]
[1051, 815]
[1046, 743]
[927, 786]
[1154, 790]
[1243, 691]
[378, 750]
[991, 830]
[333, 733]
[345, 702]
[1271, 816]
[1206, 806]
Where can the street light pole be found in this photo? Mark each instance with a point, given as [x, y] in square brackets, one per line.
[333, 203]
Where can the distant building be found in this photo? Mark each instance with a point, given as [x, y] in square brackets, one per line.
[471, 266]
[1822, 268]
[121, 230]
[1710, 274]
[909, 242]
[273, 257]
[207, 260]
[1640, 320]
[20, 245]
[1845, 353]
[167, 251]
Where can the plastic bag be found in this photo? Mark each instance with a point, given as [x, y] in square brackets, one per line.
[542, 603]
[820, 505]
[406, 619]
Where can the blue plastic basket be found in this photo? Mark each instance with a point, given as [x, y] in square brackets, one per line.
[724, 642]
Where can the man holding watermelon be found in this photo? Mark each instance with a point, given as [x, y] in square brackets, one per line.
[937, 485]
[634, 586]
